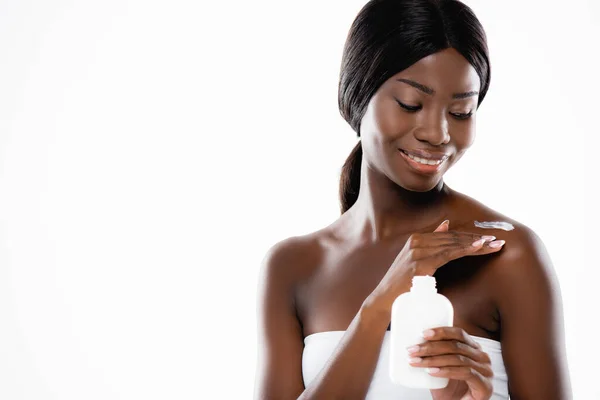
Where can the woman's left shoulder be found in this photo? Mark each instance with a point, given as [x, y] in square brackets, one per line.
[471, 215]
[523, 256]
[523, 246]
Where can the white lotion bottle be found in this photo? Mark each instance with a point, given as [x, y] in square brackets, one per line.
[413, 312]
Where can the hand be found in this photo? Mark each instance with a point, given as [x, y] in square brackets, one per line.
[459, 358]
[423, 254]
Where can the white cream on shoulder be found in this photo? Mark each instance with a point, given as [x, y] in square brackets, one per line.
[495, 225]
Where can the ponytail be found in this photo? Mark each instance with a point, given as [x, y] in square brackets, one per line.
[350, 178]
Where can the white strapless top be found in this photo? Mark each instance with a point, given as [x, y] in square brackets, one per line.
[318, 347]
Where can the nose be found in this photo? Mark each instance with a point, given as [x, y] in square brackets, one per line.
[434, 130]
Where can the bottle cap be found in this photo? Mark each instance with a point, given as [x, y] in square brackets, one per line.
[424, 282]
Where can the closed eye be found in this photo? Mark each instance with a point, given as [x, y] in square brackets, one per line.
[459, 116]
[409, 108]
[463, 116]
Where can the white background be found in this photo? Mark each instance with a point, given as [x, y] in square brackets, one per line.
[151, 153]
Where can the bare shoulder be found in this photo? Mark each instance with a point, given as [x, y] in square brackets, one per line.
[289, 258]
[523, 257]
[473, 216]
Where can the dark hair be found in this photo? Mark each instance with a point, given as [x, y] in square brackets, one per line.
[388, 36]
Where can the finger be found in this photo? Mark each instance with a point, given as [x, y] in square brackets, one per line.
[474, 379]
[450, 340]
[428, 240]
[443, 226]
[487, 247]
[450, 333]
[449, 347]
[445, 254]
[462, 238]
[452, 360]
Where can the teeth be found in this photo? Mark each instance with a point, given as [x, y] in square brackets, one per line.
[424, 160]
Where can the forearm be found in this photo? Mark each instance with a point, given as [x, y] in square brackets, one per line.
[348, 372]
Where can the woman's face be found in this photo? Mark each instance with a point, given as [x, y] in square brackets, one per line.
[438, 115]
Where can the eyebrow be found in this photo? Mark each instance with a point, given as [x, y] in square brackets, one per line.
[430, 91]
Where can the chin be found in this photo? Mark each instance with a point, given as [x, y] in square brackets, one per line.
[422, 185]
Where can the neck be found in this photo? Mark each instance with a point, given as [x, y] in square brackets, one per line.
[384, 209]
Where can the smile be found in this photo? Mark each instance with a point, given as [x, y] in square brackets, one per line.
[423, 165]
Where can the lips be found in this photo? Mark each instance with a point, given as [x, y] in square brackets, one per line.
[429, 155]
[421, 168]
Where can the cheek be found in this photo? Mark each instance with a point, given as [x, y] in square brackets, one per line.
[388, 119]
[463, 135]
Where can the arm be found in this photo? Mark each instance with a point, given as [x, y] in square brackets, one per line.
[530, 306]
[346, 375]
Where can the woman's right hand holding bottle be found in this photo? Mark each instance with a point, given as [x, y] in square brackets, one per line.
[423, 254]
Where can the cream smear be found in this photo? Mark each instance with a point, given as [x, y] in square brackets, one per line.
[495, 225]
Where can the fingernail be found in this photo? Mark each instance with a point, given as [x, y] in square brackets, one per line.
[497, 243]
[433, 370]
[446, 222]
[412, 349]
[478, 242]
[428, 333]
[415, 360]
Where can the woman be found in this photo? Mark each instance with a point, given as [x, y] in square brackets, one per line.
[413, 74]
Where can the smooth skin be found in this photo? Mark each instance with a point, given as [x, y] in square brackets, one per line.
[322, 281]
